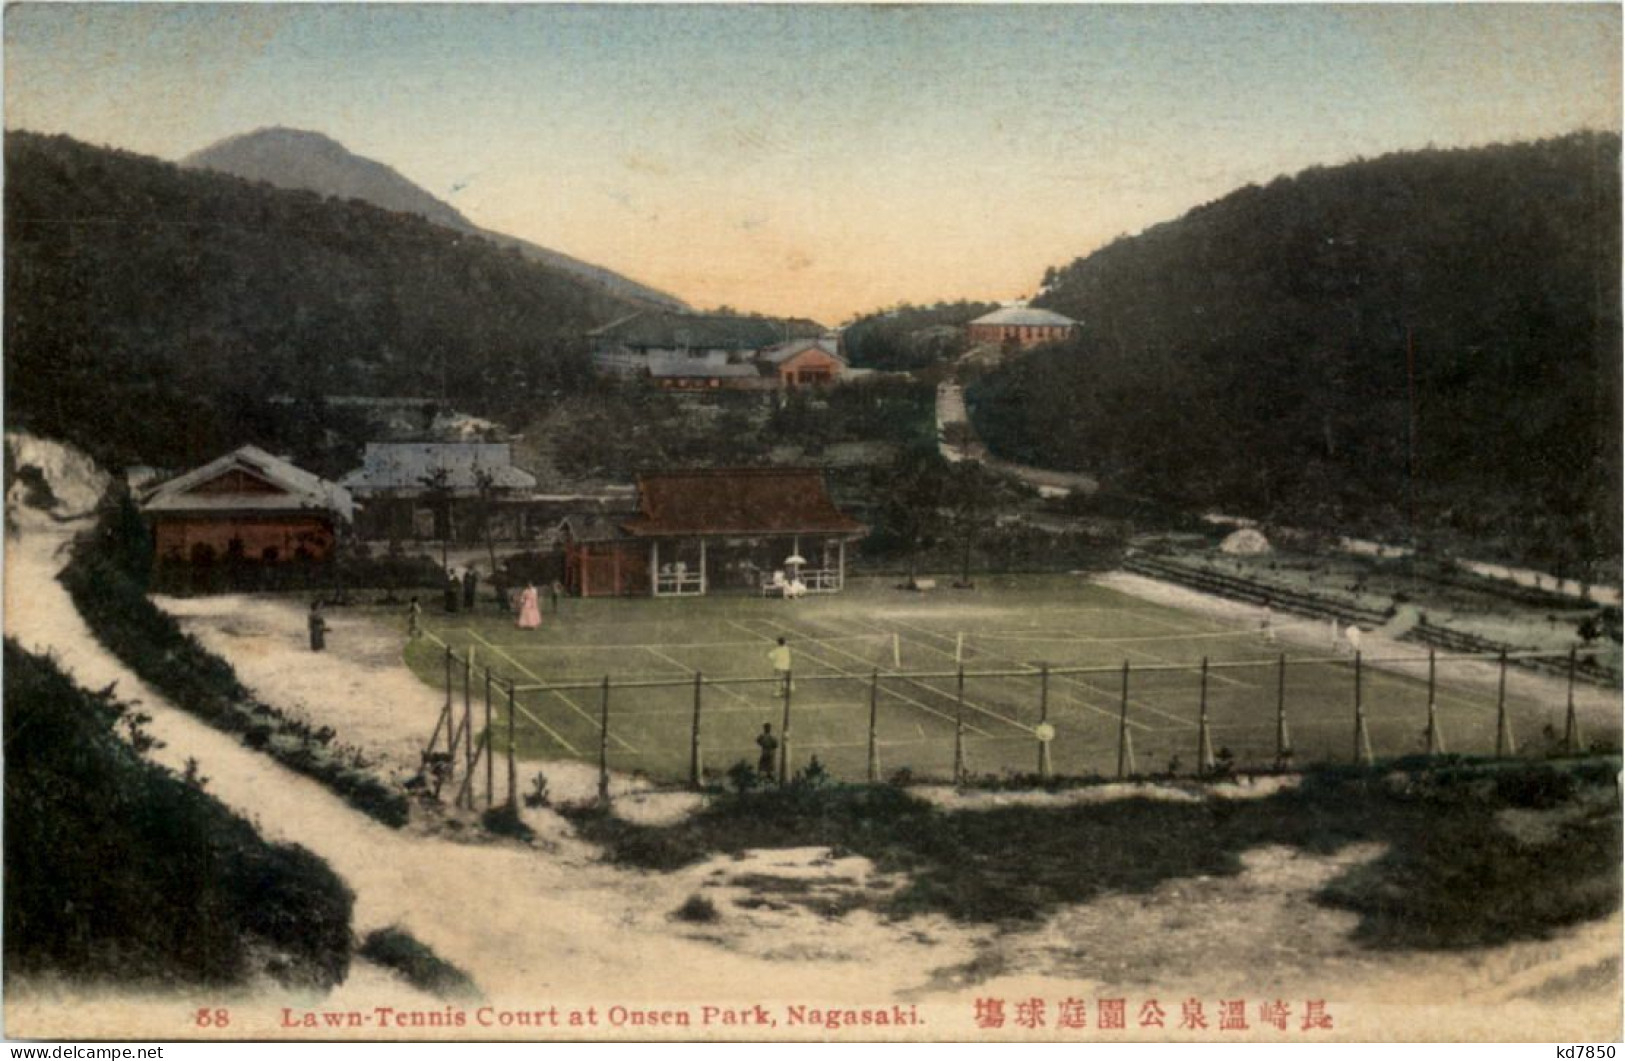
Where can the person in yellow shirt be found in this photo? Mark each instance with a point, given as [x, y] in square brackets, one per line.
[779, 656]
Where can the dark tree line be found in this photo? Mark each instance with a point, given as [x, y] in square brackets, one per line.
[1426, 341]
[152, 310]
[911, 337]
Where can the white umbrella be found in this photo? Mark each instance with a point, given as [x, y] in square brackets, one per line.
[794, 560]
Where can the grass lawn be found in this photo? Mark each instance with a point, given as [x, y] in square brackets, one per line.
[1006, 624]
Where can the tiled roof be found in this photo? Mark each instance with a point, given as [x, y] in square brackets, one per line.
[666, 330]
[1025, 315]
[410, 466]
[296, 489]
[777, 355]
[739, 501]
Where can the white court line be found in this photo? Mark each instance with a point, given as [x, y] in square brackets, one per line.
[542, 681]
[915, 681]
[543, 726]
[1115, 716]
[860, 677]
[690, 670]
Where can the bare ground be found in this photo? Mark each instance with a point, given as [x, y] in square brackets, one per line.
[549, 924]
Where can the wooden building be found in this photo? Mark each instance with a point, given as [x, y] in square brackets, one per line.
[804, 363]
[734, 528]
[247, 505]
[636, 344]
[601, 559]
[1021, 327]
[440, 490]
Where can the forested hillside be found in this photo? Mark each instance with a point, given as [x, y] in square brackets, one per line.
[911, 337]
[151, 310]
[1260, 354]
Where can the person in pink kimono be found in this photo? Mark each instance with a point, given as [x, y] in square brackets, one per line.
[530, 610]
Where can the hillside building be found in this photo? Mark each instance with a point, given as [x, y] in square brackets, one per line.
[440, 490]
[694, 351]
[246, 506]
[814, 362]
[1021, 327]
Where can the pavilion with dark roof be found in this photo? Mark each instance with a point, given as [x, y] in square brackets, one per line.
[697, 532]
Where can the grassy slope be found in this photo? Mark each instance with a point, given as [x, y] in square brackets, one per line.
[117, 869]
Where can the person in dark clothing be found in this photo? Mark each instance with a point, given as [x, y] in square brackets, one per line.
[553, 593]
[471, 585]
[766, 763]
[318, 627]
[454, 590]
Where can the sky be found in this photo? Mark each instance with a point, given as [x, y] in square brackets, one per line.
[821, 160]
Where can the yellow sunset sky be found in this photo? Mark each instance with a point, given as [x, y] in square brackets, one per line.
[821, 160]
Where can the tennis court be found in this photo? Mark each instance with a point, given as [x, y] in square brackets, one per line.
[1034, 652]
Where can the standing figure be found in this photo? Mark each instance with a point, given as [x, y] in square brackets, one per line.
[554, 592]
[414, 619]
[453, 591]
[471, 586]
[779, 656]
[1266, 622]
[766, 762]
[530, 610]
[318, 627]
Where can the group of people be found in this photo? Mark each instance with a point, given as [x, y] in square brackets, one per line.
[791, 588]
[463, 590]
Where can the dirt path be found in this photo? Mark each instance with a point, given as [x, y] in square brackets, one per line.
[539, 929]
[951, 412]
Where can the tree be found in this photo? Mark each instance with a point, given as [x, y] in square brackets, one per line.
[437, 489]
[973, 497]
[914, 488]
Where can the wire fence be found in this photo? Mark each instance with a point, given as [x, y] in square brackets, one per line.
[1205, 720]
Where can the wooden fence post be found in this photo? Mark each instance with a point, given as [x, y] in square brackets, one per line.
[1362, 737]
[1043, 720]
[468, 720]
[959, 728]
[603, 744]
[1504, 744]
[784, 731]
[513, 777]
[451, 716]
[1571, 722]
[1125, 745]
[1204, 741]
[1283, 740]
[1435, 739]
[490, 767]
[874, 718]
[695, 766]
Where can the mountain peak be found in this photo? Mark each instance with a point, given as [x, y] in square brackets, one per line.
[312, 161]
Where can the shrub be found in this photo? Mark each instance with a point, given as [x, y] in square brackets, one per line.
[697, 909]
[537, 796]
[504, 820]
[744, 777]
[160, 882]
[151, 643]
[397, 949]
